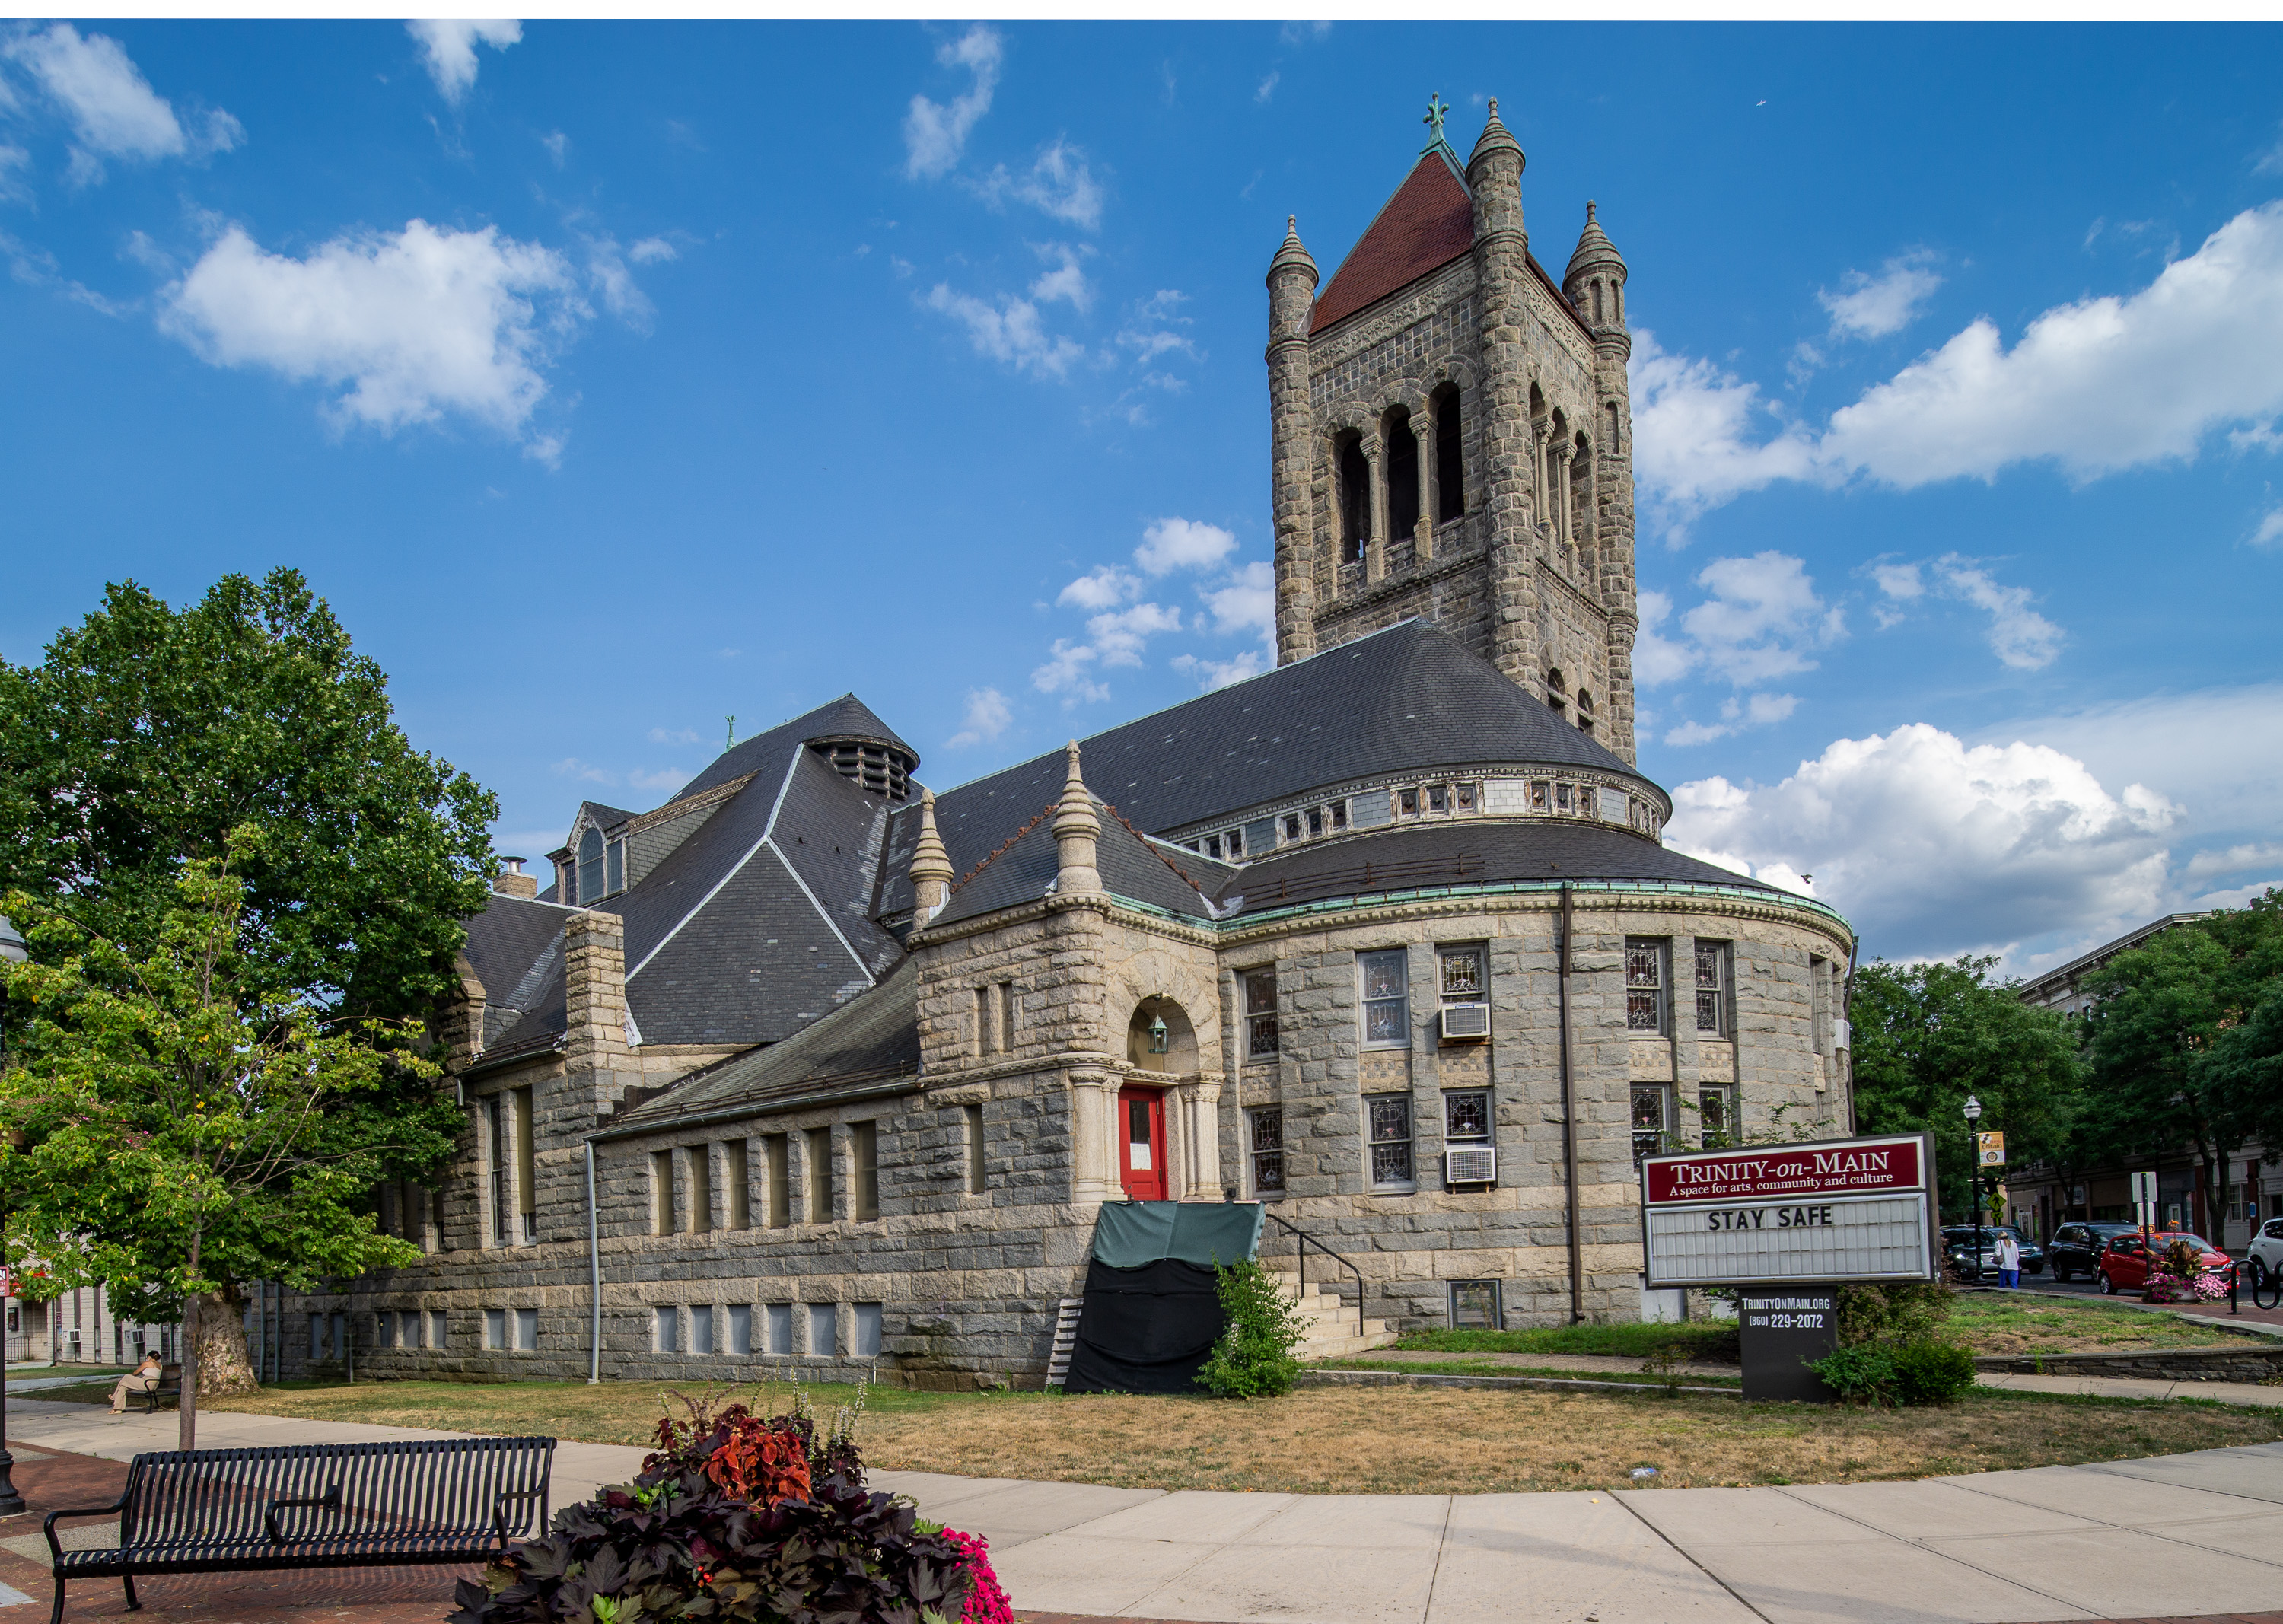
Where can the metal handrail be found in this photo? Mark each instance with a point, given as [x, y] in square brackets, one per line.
[1307, 1240]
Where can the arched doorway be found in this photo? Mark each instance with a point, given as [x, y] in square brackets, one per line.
[1159, 1038]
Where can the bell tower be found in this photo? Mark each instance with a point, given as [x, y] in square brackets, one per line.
[1451, 437]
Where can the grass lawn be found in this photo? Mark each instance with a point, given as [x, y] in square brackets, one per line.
[1376, 1440]
[2028, 1323]
[1704, 1341]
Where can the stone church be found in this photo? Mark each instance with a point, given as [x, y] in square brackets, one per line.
[811, 1066]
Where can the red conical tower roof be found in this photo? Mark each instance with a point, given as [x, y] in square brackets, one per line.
[1428, 223]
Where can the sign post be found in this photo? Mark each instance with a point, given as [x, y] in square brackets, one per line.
[2144, 1203]
[1788, 1225]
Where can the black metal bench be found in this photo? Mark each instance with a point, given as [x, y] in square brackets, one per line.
[315, 1505]
[170, 1385]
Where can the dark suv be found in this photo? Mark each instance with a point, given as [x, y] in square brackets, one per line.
[2076, 1248]
[1958, 1247]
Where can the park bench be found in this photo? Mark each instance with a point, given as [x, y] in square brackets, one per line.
[170, 1385]
[315, 1505]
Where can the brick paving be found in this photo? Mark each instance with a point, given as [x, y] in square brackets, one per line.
[366, 1596]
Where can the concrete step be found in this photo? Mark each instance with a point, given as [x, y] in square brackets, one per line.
[1341, 1348]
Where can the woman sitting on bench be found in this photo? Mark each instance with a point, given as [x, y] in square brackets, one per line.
[143, 1378]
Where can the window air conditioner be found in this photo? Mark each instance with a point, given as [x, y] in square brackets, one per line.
[1466, 1021]
[1472, 1164]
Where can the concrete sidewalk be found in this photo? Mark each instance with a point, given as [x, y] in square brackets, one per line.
[2175, 1535]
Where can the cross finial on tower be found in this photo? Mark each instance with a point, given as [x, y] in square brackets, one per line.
[1437, 107]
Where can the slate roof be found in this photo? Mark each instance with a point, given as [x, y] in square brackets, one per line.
[1132, 866]
[1428, 222]
[506, 942]
[1408, 698]
[1471, 853]
[872, 1038]
[761, 920]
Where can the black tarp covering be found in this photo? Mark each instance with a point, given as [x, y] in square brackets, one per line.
[1146, 1329]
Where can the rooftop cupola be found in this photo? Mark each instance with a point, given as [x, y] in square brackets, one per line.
[931, 871]
[1078, 832]
[1595, 280]
[877, 766]
[1292, 254]
[1495, 139]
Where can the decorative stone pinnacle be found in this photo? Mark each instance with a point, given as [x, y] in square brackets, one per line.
[1076, 829]
[931, 871]
[1589, 211]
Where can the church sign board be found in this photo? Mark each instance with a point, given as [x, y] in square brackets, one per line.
[1824, 1210]
[1786, 1225]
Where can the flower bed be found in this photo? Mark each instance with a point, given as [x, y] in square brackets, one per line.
[738, 1517]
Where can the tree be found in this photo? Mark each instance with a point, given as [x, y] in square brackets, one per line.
[176, 1128]
[243, 735]
[1927, 1035]
[2163, 1082]
[146, 736]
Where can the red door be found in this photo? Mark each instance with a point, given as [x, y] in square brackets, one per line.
[1142, 1142]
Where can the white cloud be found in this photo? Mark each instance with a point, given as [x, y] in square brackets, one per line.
[936, 134]
[988, 717]
[652, 250]
[1696, 437]
[1011, 331]
[1874, 307]
[664, 780]
[1066, 280]
[1182, 543]
[2218, 750]
[1762, 620]
[1268, 86]
[2018, 635]
[2021, 636]
[1760, 710]
[1066, 672]
[1149, 330]
[14, 162]
[2234, 860]
[1934, 848]
[1659, 660]
[2270, 529]
[36, 267]
[1212, 673]
[674, 736]
[1248, 603]
[586, 772]
[1099, 587]
[1120, 635]
[607, 270]
[557, 146]
[449, 45]
[113, 110]
[2094, 386]
[412, 325]
[1060, 183]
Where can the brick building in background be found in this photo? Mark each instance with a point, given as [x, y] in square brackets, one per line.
[809, 1065]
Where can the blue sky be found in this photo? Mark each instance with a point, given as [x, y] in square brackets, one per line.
[612, 380]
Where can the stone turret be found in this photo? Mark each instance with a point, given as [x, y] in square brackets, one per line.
[1502, 252]
[1292, 437]
[1078, 832]
[1595, 285]
[931, 871]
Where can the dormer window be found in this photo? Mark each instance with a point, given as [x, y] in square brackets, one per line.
[1438, 798]
[1212, 846]
[590, 867]
[1407, 801]
[1233, 843]
[1462, 796]
[614, 866]
[1537, 790]
[1565, 800]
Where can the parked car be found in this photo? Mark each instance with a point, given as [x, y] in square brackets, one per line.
[2077, 1247]
[2124, 1264]
[2266, 1254]
[1958, 1245]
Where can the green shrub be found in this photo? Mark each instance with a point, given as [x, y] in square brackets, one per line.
[1862, 1375]
[1253, 1358]
[1905, 1311]
[1931, 1372]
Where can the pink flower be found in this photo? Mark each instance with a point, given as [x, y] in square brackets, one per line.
[986, 1602]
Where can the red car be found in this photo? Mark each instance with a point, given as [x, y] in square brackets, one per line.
[2123, 1264]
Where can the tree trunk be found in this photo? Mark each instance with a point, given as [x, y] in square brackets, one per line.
[186, 1430]
[225, 1364]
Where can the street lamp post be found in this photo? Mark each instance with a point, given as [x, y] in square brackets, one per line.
[1974, 1150]
[11, 1503]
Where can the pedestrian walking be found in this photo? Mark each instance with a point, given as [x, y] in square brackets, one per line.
[2009, 1260]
